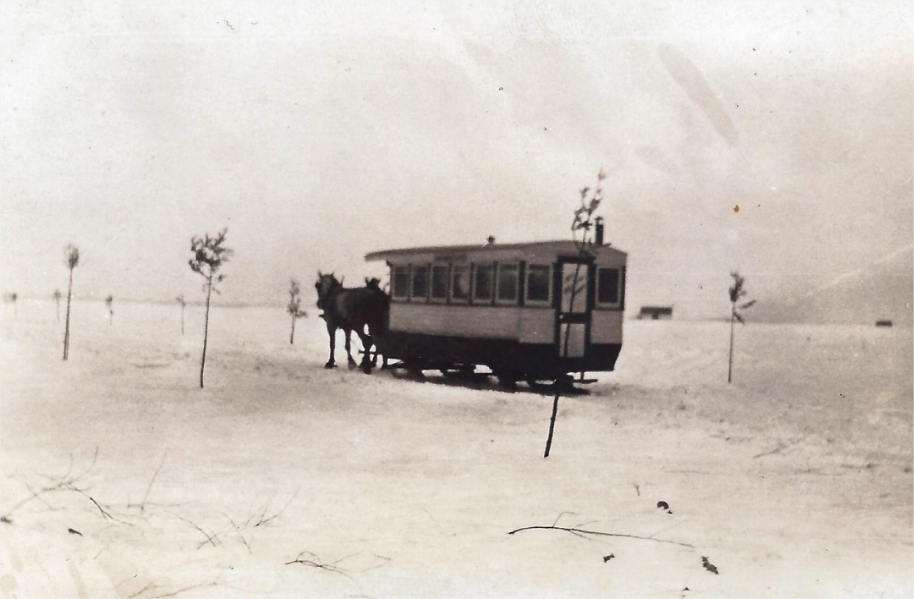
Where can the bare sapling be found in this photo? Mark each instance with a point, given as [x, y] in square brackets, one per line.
[737, 291]
[109, 302]
[182, 303]
[57, 295]
[71, 260]
[581, 227]
[294, 308]
[210, 254]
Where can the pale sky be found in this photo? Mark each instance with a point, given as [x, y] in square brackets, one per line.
[320, 131]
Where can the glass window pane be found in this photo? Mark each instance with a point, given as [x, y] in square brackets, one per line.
[400, 281]
[507, 282]
[439, 282]
[460, 282]
[575, 335]
[574, 287]
[483, 282]
[538, 283]
[420, 282]
[608, 288]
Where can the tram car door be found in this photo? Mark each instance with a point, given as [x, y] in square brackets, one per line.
[573, 316]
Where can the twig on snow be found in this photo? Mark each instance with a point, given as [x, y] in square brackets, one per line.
[151, 481]
[559, 517]
[781, 446]
[185, 589]
[307, 558]
[153, 586]
[61, 483]
[105, 513]
[210, 538]
[579, 531]
[141, 591]
[68, 482]
[264, 519]
[38, 495]
[666, 529]
[241, 536]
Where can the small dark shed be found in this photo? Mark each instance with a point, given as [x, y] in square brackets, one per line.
[883, 323]
[656, 313]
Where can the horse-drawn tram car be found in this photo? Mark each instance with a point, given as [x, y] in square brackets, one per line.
[508, 307]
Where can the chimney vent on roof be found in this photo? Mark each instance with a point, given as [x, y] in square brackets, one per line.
[598, 234]
[491, 239]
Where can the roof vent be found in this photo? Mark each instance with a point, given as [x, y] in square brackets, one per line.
[491, 239]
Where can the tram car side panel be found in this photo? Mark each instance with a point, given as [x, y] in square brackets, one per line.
[456, 321]
[537, 326]
[606, 328]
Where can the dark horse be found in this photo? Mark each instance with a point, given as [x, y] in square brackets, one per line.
[352, 310]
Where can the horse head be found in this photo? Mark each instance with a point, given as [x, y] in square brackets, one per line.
[374, 285]
[325, 286]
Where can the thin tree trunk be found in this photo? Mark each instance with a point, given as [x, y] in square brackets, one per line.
[209, 291]
[292, 335]
[558, 388]
[182, 319]
[730, 362]
[555, 411]
[66, 335]
[58, 309]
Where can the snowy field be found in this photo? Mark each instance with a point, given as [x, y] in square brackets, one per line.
[122, 478]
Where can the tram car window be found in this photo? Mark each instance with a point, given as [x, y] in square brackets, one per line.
[507, 283]
[609, 286]
[539, 285]
[482, 283]
[400, 283]
[419, 291]
[460, 283]
[439, 283]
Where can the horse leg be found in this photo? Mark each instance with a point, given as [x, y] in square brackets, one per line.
[384, 364]
[366, 345]
[331, 330]
[374, 354]
[372, 332]
[352, 363]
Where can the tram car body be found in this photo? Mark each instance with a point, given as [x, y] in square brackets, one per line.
[508, 307]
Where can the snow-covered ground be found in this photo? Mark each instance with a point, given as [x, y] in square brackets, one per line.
[121, 477]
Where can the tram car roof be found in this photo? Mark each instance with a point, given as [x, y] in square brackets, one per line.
[530, 251]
